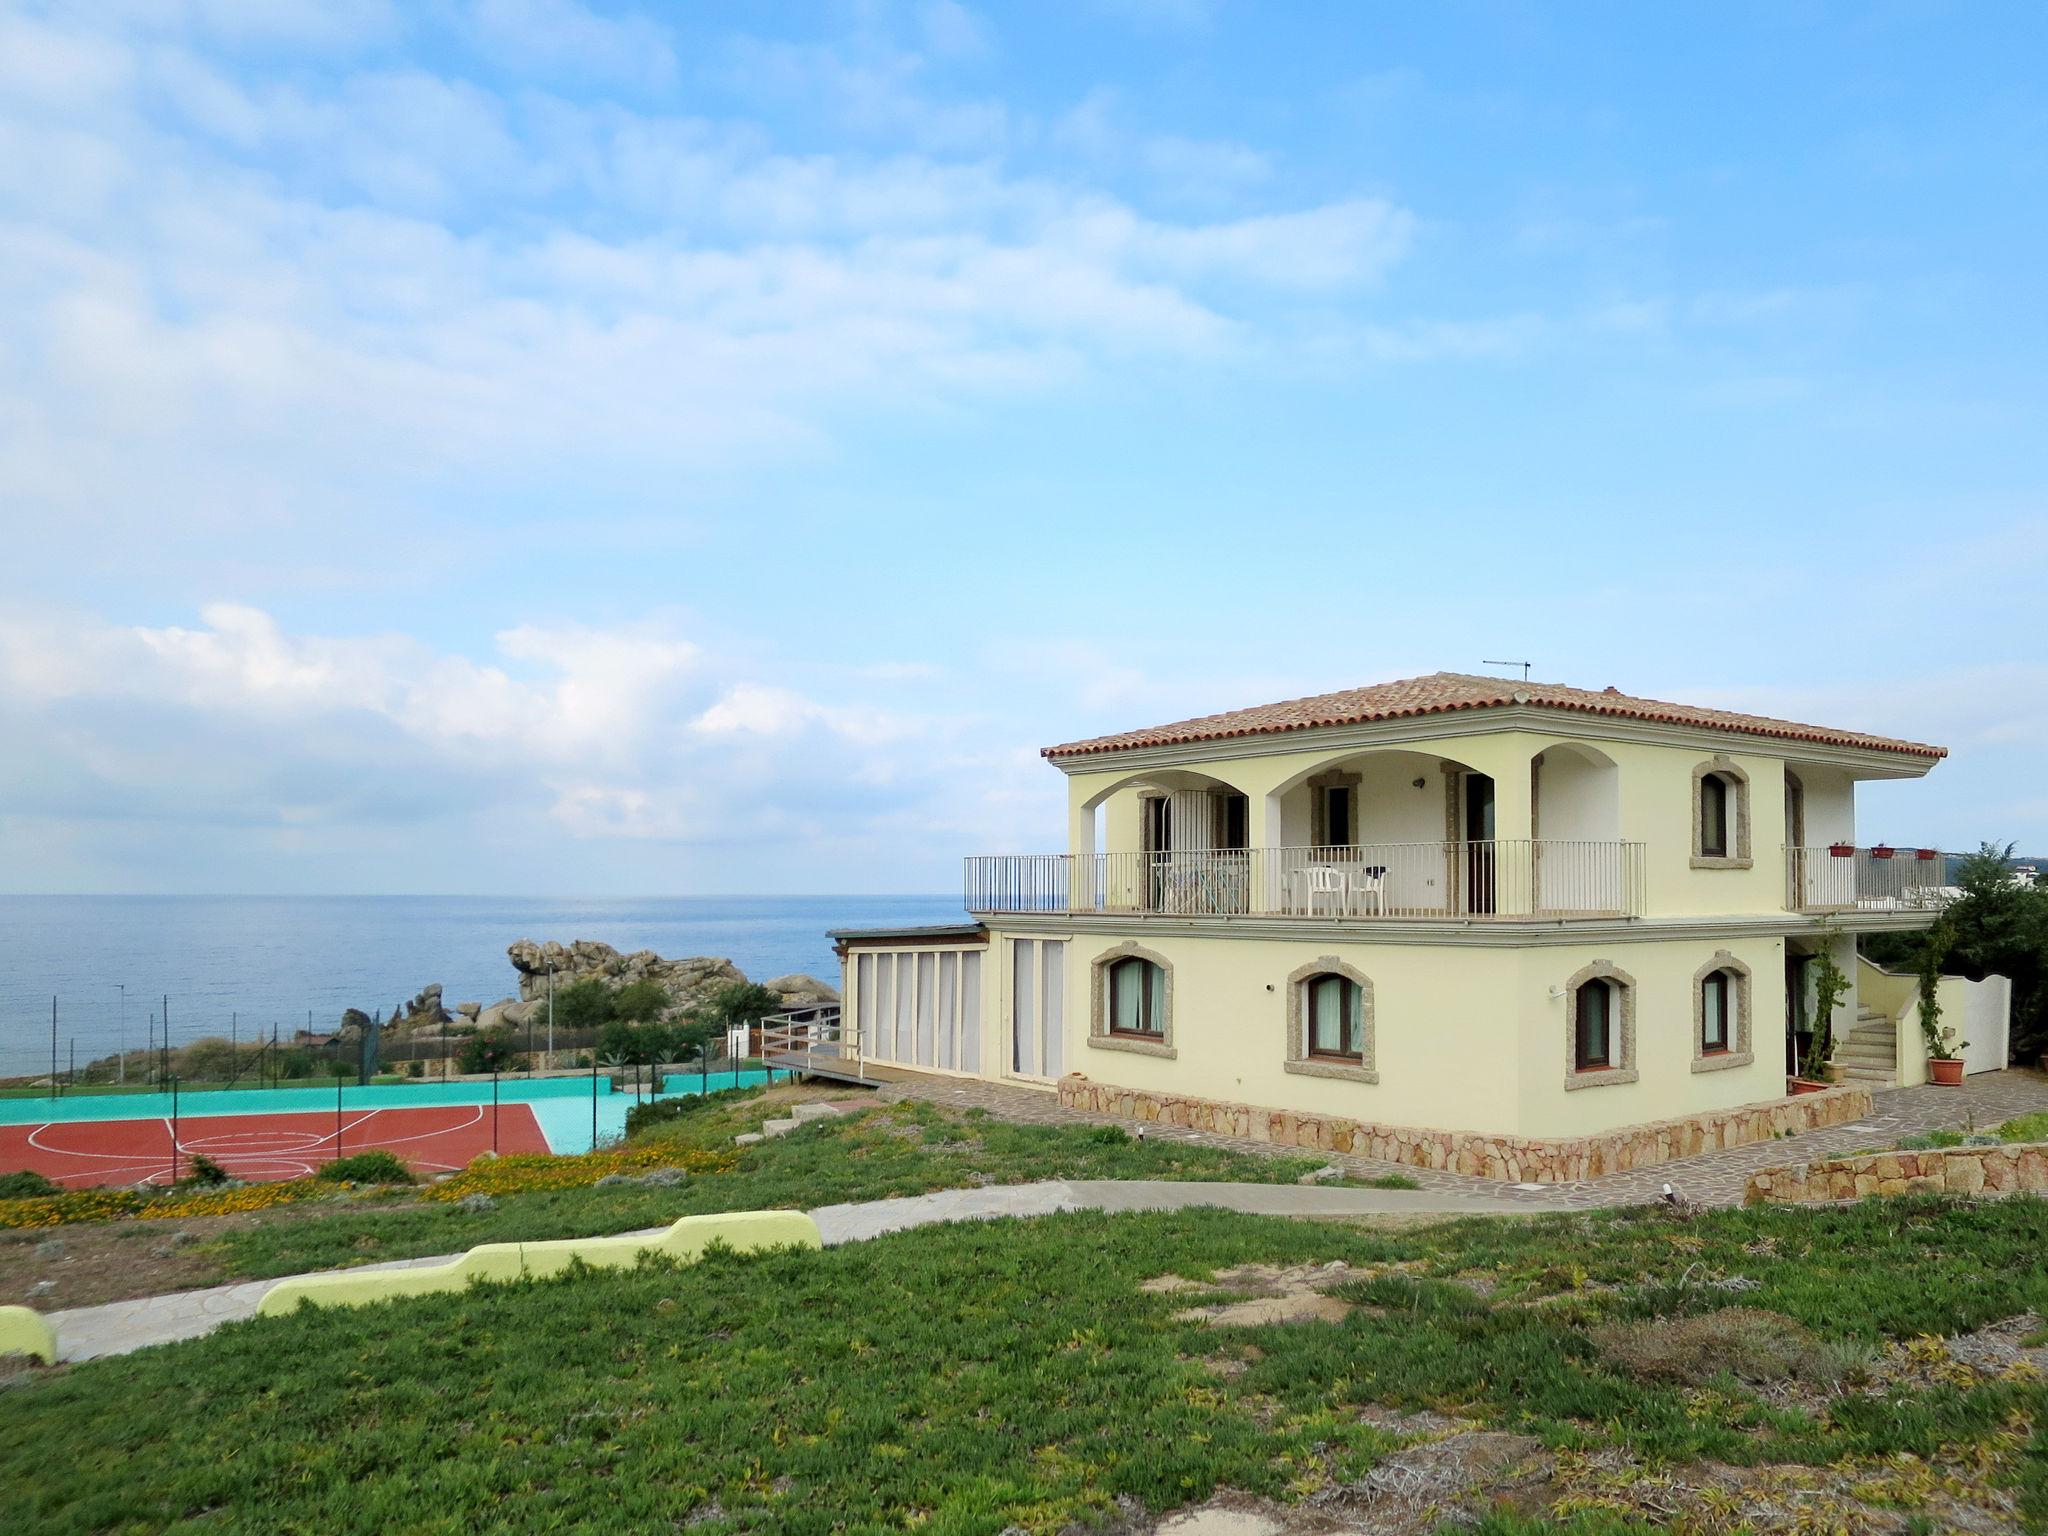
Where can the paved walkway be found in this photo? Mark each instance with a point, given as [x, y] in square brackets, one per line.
[118, 1327]
[1713, 1178]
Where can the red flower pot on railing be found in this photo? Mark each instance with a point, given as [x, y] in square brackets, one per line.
[1879, 851]
[1842, 850]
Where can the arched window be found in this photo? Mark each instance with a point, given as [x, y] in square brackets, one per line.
[1593, 1025]
[1721, 1014]
[1137, 998]
[1720, 815]
[1717, 1012]
[1334, 1010]
[1713, 816]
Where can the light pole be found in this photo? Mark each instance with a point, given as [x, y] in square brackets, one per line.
[123, 1067]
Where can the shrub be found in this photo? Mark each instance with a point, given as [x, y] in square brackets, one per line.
[205, 1172]
[2026, 1128]
[585, 1004]
[374, 1167]
[488, 1050]
[26, 1184]
[1748, 1343]
[1109, 1135]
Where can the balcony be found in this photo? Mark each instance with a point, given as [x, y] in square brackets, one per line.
[1840, 878]
[1499, 880]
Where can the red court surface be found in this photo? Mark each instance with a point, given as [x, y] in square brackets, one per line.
[81, 1153]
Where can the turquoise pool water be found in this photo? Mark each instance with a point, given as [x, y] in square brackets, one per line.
[561, 1105]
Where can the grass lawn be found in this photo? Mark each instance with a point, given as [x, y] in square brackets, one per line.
[975, 1378]
[898, 1149]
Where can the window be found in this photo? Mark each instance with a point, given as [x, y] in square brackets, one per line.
[1335, 1018]
[1713, 817]
[1593, 1026]
[1137, 998]
[1330, 1021]
[1720, 815]
[1337, 816]
[1720, 1015]
[1716, 1006]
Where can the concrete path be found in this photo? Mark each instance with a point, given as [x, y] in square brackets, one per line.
[116, 1328]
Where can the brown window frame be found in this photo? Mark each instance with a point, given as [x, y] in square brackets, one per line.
[1350, 1019]
[1716, 801]
[1581, 1061]
[1710, 1015]
[1151, 998]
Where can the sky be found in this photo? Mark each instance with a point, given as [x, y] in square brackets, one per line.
[534, 447]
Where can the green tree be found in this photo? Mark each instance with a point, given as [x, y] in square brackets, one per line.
[641, 1002]
[585, 1004]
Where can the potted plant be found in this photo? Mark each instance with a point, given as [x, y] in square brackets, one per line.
[1926, 855]
[1880, 851]
[1842, 850]
[1944, 1050]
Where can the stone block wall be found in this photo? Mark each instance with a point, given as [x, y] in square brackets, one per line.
[1934, 1171]
[1516, 1159]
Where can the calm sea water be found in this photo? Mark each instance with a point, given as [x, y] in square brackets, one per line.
[272, 959]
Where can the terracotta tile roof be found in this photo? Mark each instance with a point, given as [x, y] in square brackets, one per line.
[1446, 692]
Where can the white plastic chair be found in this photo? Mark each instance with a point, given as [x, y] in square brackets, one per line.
[1371, 880]
[1318, 879]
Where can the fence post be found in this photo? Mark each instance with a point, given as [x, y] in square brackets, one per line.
[174, 1130]
[494, 1109]
[593, 1096]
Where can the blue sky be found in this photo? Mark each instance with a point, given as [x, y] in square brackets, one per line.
[566, 449]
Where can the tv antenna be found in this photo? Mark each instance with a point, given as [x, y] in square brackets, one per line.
[1522, 664]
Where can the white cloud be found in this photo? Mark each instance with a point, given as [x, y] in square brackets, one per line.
[557, 38]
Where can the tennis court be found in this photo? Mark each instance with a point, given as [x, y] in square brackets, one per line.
[258, 1134]
[264, 1147]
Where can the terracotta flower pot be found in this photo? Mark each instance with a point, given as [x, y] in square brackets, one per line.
[1926, 855]
[1947, 1071]
[1879, 851]
[1798, 1085]
[1843, 850]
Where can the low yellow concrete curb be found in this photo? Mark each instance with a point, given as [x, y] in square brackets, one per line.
[743, 1231]
[25, 1331]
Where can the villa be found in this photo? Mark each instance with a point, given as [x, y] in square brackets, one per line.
[1503, 927]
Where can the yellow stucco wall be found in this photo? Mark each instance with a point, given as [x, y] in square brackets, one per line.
[1465, 1038]
[1655, 805]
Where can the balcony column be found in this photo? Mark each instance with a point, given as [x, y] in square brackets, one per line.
[1081, 893]
[1514, 827]
[1262, 832]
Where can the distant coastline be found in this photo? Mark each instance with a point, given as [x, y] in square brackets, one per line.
[251, 962]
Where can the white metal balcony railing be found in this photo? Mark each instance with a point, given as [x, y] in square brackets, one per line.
[1841, 878]
[1549, 877]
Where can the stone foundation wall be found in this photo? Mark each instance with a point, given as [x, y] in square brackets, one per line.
[1514, 1158]
[1946, 1170]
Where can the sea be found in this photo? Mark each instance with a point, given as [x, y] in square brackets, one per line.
[118, 965]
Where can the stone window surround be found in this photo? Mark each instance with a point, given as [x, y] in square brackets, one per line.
[1364, 1070]
[1099, 1037]
[1723, 766]
[1624, 1068]
[1739, 1052]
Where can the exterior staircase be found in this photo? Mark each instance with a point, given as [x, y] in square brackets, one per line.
[1869, 1052]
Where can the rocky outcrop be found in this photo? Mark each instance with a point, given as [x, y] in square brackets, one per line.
[689, 981]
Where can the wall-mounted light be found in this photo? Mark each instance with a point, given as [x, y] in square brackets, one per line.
[1421, 782]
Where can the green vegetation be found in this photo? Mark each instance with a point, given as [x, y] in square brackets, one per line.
[895, 1149]
[971, 1378]
[27, 1184]
[1995, 927]
[374, 1167]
